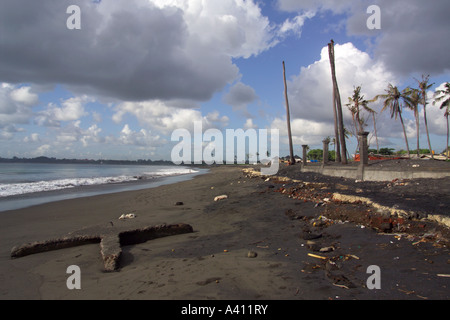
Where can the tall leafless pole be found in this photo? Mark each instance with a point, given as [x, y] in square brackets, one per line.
[288, 117]
[338, 104]
[336, 129]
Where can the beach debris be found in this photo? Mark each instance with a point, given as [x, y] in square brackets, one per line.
[111, 239]
[252, 254]
[317, 256]
[179, 203]
[222, 197]
[326, 249]
[127, 216]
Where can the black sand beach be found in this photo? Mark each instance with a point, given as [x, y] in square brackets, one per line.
[271, 239]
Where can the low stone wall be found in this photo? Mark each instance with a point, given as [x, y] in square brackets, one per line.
[367, 173]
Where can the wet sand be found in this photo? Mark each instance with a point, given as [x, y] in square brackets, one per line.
[213, 262]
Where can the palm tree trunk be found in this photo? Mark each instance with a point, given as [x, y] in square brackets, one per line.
[446, 115]
[416, 114]
[288, 117]
[338, 103]
[404, 133]
[426, 128]
[376, 135]
[337, 144]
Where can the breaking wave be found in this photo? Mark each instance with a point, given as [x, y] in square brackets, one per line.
[12, 189]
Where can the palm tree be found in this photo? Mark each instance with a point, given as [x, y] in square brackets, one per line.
[415, 97]
[445, 94]
[355, 102]
[423, 87]
[392, 100]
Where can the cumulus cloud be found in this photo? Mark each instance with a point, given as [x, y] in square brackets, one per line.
[408, 41]
[15, 108]
[71, 109]
[132, 50]
[141, 138]
[165, 118]
[15, 104]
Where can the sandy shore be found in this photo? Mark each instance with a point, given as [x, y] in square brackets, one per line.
[213, 262]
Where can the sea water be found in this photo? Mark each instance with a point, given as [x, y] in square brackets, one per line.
[25, 184]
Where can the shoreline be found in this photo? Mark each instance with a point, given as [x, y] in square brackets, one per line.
[214, 262]
[21, 201]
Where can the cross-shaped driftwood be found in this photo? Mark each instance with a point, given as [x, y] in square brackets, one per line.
[111, 237]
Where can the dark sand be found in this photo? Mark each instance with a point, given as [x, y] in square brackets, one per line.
[213, 262]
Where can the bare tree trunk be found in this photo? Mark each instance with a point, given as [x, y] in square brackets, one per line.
[416, 114]
[447, 115]
[288, 117]
[337, 144]
[426, 125]
[376, 135]
[338, 103]
[404, 133]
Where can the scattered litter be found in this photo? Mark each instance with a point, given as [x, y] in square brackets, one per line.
[340, 286]
[327, 249]
[443, 275]
[127, 216]
[222, 197]
[317, 256]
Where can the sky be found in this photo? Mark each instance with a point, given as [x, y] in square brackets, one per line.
[134, 71]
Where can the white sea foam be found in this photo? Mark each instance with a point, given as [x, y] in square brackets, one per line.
[7, 190]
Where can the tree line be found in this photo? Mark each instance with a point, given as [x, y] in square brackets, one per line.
[396, 101]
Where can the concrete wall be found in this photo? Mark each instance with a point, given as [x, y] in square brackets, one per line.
[371, 174]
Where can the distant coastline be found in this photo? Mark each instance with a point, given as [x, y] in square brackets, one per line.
[44, 159]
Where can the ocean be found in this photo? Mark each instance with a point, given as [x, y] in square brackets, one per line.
[26, 184]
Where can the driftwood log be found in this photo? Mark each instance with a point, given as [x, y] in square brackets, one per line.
[110, 237]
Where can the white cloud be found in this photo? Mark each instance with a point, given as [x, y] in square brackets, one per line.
[71, 109]
[180, 49]
[24, 96]
[249, 124]
[141, 138]
[234, 27]
[407, 41]
[34, 137]
[295, 25]
[15, 108]
[42, 150]
[161, 117]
